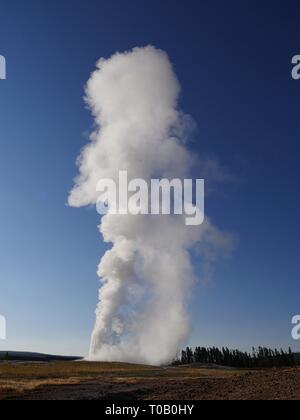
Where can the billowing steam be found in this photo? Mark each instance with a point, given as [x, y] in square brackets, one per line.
[147, 275]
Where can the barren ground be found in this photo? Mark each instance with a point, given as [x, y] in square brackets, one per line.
[115, 381]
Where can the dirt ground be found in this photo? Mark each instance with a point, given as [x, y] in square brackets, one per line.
[115, 381]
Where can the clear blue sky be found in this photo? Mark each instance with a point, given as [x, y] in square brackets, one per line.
[233, 61]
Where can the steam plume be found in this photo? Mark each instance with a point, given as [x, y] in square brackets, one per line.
[147, 275]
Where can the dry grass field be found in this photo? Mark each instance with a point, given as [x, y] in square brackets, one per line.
[116, 381]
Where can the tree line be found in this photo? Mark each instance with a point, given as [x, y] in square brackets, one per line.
[259, 358]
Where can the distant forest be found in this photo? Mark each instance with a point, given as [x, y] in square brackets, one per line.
[259, 358]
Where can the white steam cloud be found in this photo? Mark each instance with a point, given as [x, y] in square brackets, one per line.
[147, 275]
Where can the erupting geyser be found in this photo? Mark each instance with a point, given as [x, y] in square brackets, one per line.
[147, 275]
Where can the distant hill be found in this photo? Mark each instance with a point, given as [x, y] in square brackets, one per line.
[33, 357]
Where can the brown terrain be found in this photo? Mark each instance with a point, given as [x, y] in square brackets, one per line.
[115, 381]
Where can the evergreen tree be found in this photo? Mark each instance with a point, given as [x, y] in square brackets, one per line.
[259, 358]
